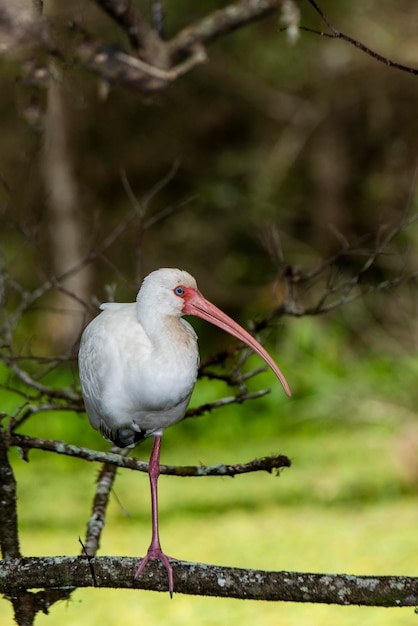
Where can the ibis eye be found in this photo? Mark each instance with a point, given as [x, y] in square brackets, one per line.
[179, 291]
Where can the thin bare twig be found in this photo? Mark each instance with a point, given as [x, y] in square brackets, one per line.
[220, 23]
[27, 379]
[336, 34]
[217, 404]
[337, 290]
[130, 19]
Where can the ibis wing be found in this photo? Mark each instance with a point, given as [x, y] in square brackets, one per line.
[101, 356]
[134, 387]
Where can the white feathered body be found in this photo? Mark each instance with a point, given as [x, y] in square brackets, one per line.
[137, 376]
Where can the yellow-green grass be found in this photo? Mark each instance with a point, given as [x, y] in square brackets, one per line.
[347, 505]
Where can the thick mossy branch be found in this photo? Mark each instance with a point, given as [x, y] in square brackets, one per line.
[208, 580]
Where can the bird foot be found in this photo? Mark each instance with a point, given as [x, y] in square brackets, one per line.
[156, 553]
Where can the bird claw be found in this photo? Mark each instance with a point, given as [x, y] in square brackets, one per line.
[157, 553]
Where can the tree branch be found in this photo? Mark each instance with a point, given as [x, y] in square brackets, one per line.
[220, 23]
[338, 289]
[336, 34]
[26, 605]
[217, 404]
[29, 381]
[97, 519]
[130, 20]
[9, 536]
[209, 580]
[116, 459]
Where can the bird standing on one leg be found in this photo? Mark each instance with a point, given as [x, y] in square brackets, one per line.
[138, 365]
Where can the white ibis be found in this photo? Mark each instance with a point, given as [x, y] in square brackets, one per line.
[138, 366]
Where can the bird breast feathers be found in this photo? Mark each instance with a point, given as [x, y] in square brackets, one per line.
[123, 372]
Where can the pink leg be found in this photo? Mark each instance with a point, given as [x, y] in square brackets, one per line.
[154, 550]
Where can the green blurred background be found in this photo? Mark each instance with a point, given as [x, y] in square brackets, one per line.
[315, 141]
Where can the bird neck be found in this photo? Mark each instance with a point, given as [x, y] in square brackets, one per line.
[160, 327]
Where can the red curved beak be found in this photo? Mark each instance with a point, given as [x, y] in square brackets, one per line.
[196, 304]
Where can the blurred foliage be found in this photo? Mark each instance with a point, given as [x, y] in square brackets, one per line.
[306, 137]
[315, 140]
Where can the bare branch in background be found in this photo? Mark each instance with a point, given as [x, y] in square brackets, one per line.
[336, 34]
[153, 64]
[130, 19]
[221, 23]
[323, 288]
